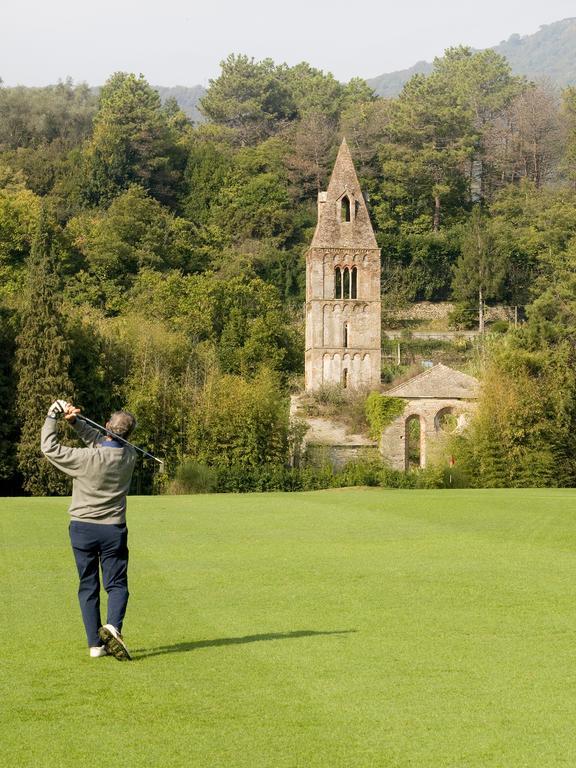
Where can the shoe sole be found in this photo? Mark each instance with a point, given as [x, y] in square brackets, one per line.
[113, 645]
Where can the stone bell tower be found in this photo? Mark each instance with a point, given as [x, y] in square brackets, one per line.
[343, 287]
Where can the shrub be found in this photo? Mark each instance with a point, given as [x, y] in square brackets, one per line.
[390, 371]
[499, 326]
[235, 478]
[240, 422]
[463, 317]
[333, 401]
[193, 477]
[430, 477]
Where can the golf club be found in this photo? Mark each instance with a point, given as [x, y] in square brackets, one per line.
[122, 439]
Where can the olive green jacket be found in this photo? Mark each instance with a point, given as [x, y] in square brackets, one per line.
[101, 475]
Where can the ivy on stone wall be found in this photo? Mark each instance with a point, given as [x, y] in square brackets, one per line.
[381, 411]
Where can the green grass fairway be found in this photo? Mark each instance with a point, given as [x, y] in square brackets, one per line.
[335, 629]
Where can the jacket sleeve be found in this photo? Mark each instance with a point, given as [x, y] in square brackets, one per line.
[68, 460]
[88, 434]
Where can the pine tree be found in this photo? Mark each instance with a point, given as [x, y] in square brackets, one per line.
[42, 361]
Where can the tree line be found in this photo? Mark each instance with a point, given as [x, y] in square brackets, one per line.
[156, 264]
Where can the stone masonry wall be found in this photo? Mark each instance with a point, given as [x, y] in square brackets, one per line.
[393, 440]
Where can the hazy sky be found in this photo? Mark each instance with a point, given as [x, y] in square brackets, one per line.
[174, 42]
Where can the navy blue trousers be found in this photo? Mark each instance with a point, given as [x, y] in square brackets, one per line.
[98, 546]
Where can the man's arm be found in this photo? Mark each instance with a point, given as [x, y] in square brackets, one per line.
[88, 434]
[67, 460]
[85, 432]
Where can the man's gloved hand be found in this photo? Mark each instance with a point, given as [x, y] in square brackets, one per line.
[57, 409]
[70, 413]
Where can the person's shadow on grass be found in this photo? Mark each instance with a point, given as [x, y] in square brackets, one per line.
[194, 645]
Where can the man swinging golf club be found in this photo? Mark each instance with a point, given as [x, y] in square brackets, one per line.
[101, 475]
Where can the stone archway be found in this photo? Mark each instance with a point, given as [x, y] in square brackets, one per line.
[414, 441]
[441, 400]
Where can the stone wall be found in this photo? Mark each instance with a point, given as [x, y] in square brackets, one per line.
[337, 456]
[428, 310]
[393, 441]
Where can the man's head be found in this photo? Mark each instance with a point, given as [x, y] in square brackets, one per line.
[121, 423]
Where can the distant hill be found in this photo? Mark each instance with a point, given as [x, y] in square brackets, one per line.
[549, 53]
[187, 98]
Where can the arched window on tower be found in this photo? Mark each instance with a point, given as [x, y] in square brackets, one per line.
[345, 335]
[346, 283]
[354, 284]
[345, 208]
[345, 378]
[337, 283]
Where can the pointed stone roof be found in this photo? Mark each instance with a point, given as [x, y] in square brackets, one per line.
[438, 382]
[331, 230]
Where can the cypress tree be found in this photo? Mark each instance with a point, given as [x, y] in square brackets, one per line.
[42, 361]
[8, 425]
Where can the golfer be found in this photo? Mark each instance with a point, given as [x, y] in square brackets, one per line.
[101, 475]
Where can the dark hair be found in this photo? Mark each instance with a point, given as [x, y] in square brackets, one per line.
[122, 423]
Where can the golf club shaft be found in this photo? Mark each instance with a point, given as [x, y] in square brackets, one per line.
[117, 437]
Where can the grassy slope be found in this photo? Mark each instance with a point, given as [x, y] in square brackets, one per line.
[338, 628]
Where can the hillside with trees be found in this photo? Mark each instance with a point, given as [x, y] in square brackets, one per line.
[151, 263]
[549, 54]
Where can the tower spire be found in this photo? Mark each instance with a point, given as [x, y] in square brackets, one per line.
[343, 286]
[343, 186]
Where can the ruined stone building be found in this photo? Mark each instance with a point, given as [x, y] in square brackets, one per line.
[439, 401]
[343, 328]
[343, 287]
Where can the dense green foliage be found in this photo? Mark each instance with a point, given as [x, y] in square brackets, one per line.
[358, 627]
[42, 360]
[381, 410]
[174, 276]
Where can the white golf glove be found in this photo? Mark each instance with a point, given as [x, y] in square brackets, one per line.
[57, 409]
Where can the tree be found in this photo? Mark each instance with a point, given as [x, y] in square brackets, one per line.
[159, 389]
[252, 329]
[8, 422]
[42, 360]
[434, 160]
[319, 93]
[533, 228]
[251, 97]
[240, 423]
[209, 164]
[134, 141]
[135, 232]
[538, 136]
[253, 205]
[423, 165]
[312, 142]
[256, 99]
[522, 434]
[365, 125]
[568, 121]
[33, 117]
[19, 210]
[480, 269]
[40, 126]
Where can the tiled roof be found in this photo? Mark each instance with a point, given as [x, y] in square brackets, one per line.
[440, 382]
